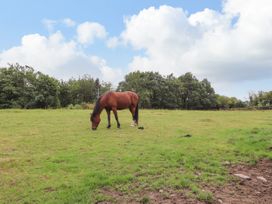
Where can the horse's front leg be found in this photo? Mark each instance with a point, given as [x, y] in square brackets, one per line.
[116, 117]
[109, 123]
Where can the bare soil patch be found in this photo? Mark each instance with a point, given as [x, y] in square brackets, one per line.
[147, 197]
[255, 189]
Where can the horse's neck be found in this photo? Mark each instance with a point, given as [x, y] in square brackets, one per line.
[97, 109]
[100, 109]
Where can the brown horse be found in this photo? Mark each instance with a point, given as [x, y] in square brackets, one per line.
[113, 101]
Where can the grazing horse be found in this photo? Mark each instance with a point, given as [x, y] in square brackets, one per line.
[113, 101]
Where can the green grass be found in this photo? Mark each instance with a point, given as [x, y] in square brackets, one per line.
[52, 156]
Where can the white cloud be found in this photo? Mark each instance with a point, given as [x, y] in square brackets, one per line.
[55, 56]
[88, 31]
[113, 42]
[108, 73]
[164, 34]
[229, 46]
[49, 24]
[69, 22]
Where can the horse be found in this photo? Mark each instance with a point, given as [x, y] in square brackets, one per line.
[113, 101]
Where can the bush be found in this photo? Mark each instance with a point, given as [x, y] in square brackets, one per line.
[82, 106]
[70, 106]
[87, 106]
[76, 106]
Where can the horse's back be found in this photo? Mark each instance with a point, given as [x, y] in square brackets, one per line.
[121, 100]
[133, 96]
[126, 99]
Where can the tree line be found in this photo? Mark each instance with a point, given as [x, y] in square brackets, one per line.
[23, 87]
[170, 92]
[261, 99]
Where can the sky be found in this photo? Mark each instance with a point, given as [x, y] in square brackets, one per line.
[226, 41]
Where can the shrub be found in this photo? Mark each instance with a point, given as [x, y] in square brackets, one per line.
[70, 106]
[76, 106]
[87, 106]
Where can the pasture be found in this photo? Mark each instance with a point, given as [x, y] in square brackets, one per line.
[52, 156]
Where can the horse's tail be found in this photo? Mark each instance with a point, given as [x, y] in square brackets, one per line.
[136, 114]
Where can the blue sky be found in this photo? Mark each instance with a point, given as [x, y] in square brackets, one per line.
[19, 18]
[22, 17]
[211, 38]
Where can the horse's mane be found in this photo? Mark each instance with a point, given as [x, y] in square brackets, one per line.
[96, 108]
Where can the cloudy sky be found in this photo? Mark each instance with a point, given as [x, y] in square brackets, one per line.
[229, 41]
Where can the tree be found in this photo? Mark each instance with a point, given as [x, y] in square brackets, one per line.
[16, 86]
[82, 90]
[261, 99]
[156, 91]
[207, 95]
[138, 82]
[65, 94]
[47, 92]
[224, 102]
[22, 87]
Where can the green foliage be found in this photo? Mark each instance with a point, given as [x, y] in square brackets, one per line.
[81, 106]
[156, 91]
[71, 106]
[261, 99]
[65, 94]
[47, 92]
[82, 90]
[224, 102]
[145, 200]
[22, 87]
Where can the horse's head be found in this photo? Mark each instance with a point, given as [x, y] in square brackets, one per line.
[95, 116]
[95, 119]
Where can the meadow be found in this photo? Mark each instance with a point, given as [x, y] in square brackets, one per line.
[52, 156]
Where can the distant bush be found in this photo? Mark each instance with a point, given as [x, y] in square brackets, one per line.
[87, 105]
[81, 106]
[70, 106]
[76, 106]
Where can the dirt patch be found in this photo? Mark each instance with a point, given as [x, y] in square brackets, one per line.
[150, 197]
[49, 189]
[4, 165]
[168, 197]
[207, 120]
[255, 189]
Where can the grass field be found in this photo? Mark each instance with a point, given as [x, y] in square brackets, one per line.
[52, 156]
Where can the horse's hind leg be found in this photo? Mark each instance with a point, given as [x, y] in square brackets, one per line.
[132, 110]
[116, 117]
[109, 123]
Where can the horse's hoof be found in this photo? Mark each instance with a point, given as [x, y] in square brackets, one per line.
[108, 126]
[118, 126]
